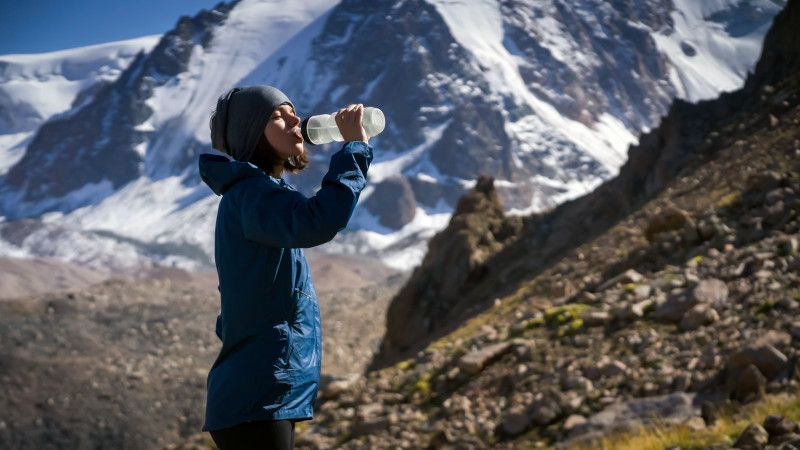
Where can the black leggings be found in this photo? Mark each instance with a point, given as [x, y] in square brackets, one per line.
[259, 434]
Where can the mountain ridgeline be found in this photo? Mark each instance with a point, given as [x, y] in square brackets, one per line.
[544, 97]
[98, 141]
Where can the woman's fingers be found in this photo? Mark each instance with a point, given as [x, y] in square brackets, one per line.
[351, 113]
[348, 120]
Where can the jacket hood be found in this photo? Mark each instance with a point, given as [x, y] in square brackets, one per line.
[220, 173]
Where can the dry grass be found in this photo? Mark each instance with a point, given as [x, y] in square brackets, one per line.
[726, 430]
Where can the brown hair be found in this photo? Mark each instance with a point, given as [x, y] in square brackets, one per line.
[266, 158]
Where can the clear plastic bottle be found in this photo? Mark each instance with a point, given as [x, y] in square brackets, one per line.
[322, 129]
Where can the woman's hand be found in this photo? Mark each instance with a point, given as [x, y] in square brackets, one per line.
[349, 122]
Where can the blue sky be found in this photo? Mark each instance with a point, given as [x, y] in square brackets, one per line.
[36, 26]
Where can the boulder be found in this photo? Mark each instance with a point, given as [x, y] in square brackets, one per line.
[746, 384]
[475, 361]
[778, 425]
[753, 437]
[393, 202]
[698, 316]
[669, 218]
[769, 360]
[710, 292]
[516, 423]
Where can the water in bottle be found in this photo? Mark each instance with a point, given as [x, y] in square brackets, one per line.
[322, 129]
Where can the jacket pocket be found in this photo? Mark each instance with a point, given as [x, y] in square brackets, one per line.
[304, 330]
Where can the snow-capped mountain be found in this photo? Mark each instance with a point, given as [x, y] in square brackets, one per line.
[545, 96]
[34, 88]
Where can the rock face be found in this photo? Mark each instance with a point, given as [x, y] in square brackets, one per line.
[432, 297]
[393, 202]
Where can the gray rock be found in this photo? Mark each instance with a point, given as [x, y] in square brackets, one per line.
[580, 384]
[711, 291]
[674, 307]
[671, 408]
[746, 384]
[516, 423]
[700, 315]
[769, 360]
[613, 368]
[574, 421]
[637, 310]
[545, 410]
[669, 218]
[393, 201]
[753, 437]
[603, 318]
[474, 362]
[775, 338]
[629, 276]
[778, 425]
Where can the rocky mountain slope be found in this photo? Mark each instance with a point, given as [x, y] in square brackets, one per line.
[669, 291]
[688, 133]
[122, 364]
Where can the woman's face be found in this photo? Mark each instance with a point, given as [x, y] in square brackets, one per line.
[283, 132]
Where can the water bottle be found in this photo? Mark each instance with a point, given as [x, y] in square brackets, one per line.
[322, 129]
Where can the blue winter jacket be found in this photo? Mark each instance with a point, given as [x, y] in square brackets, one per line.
[269, 364]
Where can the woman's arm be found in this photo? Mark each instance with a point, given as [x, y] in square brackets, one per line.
[287, 219]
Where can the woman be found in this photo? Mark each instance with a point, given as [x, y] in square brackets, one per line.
[267, 372]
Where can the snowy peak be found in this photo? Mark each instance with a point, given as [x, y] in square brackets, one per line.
[714, 45]
[35, 87]
[98, 142]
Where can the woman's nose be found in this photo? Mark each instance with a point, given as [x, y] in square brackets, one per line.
[294, 120]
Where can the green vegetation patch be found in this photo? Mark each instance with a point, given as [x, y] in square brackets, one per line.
[559, 315]
[729, 200]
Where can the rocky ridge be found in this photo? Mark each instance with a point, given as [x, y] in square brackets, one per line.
[689, 136]
[684, 308]
[704, 318]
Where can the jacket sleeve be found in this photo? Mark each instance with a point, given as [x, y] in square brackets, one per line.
[287, 219]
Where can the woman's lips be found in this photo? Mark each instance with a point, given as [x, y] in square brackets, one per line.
[298, 134]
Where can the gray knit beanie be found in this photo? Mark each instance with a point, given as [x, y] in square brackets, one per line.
[241, 115]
